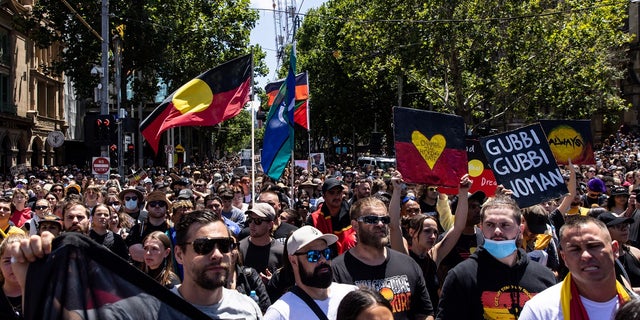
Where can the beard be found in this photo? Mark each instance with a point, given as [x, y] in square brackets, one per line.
[320, 278]
[217, 280]
[372, 239]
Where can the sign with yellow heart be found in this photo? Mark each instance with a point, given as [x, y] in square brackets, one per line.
[430, 147]
[430, 150]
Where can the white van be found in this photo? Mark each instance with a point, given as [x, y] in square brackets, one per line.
[379, 162]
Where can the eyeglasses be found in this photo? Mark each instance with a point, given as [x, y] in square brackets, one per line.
[592, 171]
[314, 255]
[432, 189]
[204, 246]
[41, 207]
[375, 219]
[134, 198]
[257, 221]
[157, 203]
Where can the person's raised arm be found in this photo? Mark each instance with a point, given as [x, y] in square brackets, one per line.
[442, 248]
[566, 201]
[395, 229]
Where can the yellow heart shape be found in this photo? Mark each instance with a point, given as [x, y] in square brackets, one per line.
[430, 150]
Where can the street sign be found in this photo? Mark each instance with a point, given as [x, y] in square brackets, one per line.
[100, 165]
[168, 148]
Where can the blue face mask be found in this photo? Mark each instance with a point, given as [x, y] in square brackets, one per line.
[131, 204]
[500, 249]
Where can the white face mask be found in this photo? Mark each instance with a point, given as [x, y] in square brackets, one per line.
[131, 204]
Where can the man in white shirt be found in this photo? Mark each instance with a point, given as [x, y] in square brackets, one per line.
[309, 256]
[589, 254]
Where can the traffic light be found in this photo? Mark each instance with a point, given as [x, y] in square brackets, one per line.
[104, 129]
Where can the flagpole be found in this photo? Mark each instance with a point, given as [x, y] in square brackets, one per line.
[308, 110]
[253, 136]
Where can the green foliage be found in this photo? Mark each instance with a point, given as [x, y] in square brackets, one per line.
[172, 40]
[493, 61]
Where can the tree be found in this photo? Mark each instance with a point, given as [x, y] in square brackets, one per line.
[492, 62]
[168, 40]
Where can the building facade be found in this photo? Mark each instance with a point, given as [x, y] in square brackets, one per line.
[31, 96]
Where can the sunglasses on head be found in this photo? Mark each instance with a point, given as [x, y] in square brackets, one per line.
[158, 203]
[134, 198]
[257, 221]
[375, 219]
[204, 246]
[314, 255]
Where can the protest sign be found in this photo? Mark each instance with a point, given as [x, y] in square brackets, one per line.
[522, 161]
[570, 139]
[430, 147]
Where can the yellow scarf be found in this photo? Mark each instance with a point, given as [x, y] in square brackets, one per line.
[573, 308]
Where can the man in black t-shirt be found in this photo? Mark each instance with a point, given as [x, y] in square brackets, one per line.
[261, 251]
[370, 263]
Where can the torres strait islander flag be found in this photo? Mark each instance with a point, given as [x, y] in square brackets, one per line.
[430, 147]
[212, 97]
[300, 116]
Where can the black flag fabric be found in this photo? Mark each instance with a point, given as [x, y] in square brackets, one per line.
[82, 279]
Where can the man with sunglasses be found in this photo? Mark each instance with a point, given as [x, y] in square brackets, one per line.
[157, 214]
[371, 264]
[260, 250]
[204, 246]
[310, 257]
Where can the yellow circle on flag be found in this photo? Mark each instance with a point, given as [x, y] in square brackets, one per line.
[194, 96]
[476, 167]
[566, 143]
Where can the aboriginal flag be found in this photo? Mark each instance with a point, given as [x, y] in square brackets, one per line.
[83, 279]
[430, 147]
[300, 114]
[212, 97]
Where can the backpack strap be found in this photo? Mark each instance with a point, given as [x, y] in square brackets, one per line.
[309, 301]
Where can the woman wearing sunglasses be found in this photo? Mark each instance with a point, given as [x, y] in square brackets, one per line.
[246, 279]
[158, 263]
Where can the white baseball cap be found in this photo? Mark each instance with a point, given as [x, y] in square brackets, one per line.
[306, 235]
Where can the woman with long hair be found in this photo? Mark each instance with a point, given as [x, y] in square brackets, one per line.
[618, 200]
[157, 259]
[11, 293]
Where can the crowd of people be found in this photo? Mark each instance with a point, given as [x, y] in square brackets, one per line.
[344, 243]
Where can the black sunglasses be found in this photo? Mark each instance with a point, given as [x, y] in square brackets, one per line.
[314, 255]
[41, 207]
[257, 221]
[158, 203]
[204, 246]
[130, 198]
[375, 219]
[113, 203]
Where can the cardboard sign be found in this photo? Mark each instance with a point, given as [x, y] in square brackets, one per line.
[430, 147]
[302, 164]
[570, 139]
[317, 161]
[522, 161]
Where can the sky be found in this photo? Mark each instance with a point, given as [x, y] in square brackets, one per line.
[264, 32]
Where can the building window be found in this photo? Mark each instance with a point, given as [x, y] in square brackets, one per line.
[5, 52]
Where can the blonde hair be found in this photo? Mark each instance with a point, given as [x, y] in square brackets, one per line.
[5, 244]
